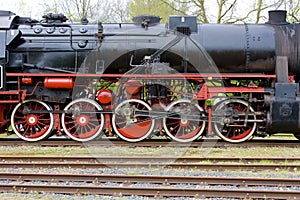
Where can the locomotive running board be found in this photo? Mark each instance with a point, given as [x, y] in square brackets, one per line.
[17, 96]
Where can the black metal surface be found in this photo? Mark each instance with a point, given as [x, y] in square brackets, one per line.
[233, 47]
[285, 109]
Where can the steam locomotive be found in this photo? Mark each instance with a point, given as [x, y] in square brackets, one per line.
[137, 80]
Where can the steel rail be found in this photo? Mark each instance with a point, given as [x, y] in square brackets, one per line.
[151, 165]
[156, 159]
[157, 192]
[153, 179]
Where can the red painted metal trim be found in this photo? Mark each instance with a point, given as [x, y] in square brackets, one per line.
[209, 92]
[9, 92]
[209, 123]
[189, 76]
[21, 94]
[9, 101]
[235, 89]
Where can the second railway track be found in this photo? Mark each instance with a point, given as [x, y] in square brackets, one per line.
[155, 186]
[19, 178]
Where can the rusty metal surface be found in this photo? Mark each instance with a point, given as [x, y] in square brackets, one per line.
[219, 164]
[143, 159]
[202, 143]
[151, 191]
[164, 180]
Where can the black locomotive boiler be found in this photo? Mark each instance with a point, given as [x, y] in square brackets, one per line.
[137, 80]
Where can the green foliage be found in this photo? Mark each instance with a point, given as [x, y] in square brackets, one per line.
[219, 11]
[152, 7]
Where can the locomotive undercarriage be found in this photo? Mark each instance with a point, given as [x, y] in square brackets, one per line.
[136, 107]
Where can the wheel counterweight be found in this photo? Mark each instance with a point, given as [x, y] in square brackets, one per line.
[81, 121]
[183, 123]
[236, 120]
[131, 121]
[31, 121]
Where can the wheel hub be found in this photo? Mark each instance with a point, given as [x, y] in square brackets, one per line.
[227, 120]
[82, 120]
[184, 122]
[32, 120]
[127, 111]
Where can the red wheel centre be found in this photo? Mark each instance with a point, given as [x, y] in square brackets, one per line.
[32, 119]
[184, 122]
[82, 120]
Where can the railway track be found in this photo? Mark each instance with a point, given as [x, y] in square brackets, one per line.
[207, 143]
[155, 186]
[220, 164]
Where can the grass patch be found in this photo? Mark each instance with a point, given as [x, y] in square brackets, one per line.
[234, 152]
[41, 151]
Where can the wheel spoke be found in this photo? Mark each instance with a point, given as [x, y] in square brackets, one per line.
[37, 126]
[71, 128]
[26, 131]
[43, 124]
[172, 123]
[176, 129]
